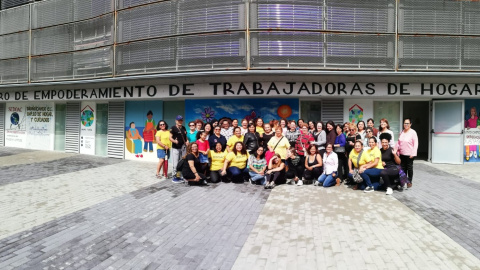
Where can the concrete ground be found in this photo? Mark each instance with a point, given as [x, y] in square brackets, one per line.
[67, 211]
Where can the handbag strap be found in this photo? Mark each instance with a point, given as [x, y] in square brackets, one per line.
[277, 144]
[358, 158]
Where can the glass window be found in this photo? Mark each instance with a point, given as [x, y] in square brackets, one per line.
[101, 130]
[389, 110]
[60, 116]
[310, 110]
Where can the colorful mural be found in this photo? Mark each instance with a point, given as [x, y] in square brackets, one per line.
[267, 109]
[355, 114]
[141, 118]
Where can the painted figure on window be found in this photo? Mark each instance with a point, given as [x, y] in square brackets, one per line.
[134, 135]
[149, 133]
[471, 122]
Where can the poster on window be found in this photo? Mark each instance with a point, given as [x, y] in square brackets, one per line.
[471, 151]
[40, 126]
[15, 125]
[87, 128]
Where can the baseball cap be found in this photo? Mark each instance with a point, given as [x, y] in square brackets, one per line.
[179, 118]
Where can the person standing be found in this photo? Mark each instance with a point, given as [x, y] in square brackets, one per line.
[385, 128]
[192, 133]
[371, 124]
[163, 146]
[178, 137]
[407, 146]
[216, 137]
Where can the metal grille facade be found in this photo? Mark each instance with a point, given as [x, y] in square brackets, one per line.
[116, 130]
[72, 128]
[55, 40]
[332, 109]
[2, 124]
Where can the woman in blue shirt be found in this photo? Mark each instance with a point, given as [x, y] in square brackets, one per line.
[339, 149]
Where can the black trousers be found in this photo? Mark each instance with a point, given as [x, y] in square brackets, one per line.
[216, 177]
[389, 175]
[277, 177]
[407, 166]
[313, 174]
[342, 166]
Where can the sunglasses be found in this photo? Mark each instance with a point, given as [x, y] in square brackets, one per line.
[352, 129]
[162, 124]
[191, 125]
[369, 132]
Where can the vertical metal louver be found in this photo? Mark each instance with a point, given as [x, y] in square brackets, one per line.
[2, 124]
[116, 129]
[332, 109]
[13, 3]
[72, 128]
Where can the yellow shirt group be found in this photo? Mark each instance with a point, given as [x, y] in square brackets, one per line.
[364, 159]
[233, 140]
[239, 160]
[164, 138]
[218, 159]
[372, 155]
[260, 130]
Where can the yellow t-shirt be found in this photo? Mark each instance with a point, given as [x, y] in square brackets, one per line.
[164, 138]
[218, 159]
[239, 161]
[373, 154]
[233, 140]
[363, 159]
[282, 146]
[259, 130]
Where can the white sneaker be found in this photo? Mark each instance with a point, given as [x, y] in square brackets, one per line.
[315, 183]
[389, 191]
[368, 189]
[300, 183]
[290, 181]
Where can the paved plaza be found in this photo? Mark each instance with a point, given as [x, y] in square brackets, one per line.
[69, 211]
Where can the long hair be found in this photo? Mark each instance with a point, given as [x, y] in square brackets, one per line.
[384, 120]
[158, 125]
[189, 149]
[243, 151]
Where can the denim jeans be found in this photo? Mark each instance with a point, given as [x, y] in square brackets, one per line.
[327, 180]
[237, 174]
[257, 177]
[372, 172]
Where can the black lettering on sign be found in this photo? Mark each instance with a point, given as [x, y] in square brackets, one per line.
[257, 88]
[227, 87]
[173, 90]
[330, 89]
[370, 89]
[424, 89]
[403, 89]
[273, 87]
[441, 89]
[466, 88]
[139, 89]
[303, 87]
[391, 89]
[356, 87]
[215, 88]
[341, 89]
[451, 90]
[186, 89]
[290, 90]
[151, 91]
[316, 86]
[241, 88]
[116, 92]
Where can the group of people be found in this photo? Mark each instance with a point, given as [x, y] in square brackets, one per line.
[283, 151]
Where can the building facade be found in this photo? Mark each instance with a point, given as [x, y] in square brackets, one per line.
[75, 73]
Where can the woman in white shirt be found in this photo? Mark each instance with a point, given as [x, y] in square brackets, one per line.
[330, 165]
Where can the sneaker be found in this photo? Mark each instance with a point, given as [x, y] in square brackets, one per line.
[204, 183]
[177, 180]
[404, 187]
[315, 183]
[368, 189]
[389, 191]
[251, 181]
[290, 181]
[338, 182]
[300, 183]
[267, 185]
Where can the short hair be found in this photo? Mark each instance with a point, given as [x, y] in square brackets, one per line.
[221, 146]
[319, 122]
[339, 125]
[278, 128]
[352, 126]
[408, 118]
[159, 122]
[131, 124]
[304, 125]
[371, 119]
[149, 113]
[359, 142]
[385, 136]
[191, 122]
[373, 138]
[237, 127]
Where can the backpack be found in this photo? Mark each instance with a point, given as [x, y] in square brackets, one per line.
[180, 164]
[402, 176]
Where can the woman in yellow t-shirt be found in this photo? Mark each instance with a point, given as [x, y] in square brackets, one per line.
[279, 143]
[217, 159]
[163, 145]
[237, 137]
[374, 166]
[236, 161]
[353, 161]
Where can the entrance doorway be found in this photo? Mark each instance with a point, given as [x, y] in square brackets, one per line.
[447, 129]
[419, 112]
